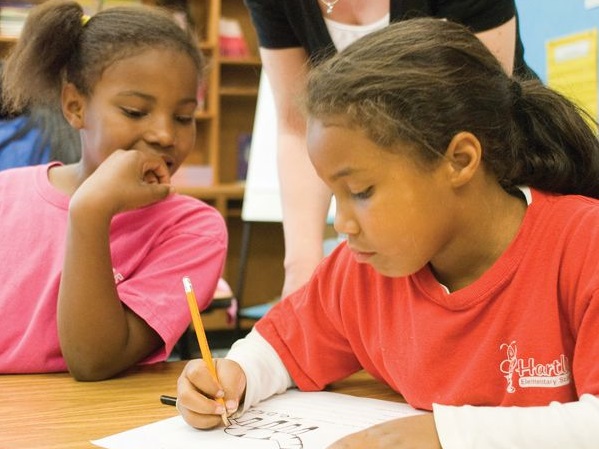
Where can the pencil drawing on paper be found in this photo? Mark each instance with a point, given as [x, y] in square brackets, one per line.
[281, 429]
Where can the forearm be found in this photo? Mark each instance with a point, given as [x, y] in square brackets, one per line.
[304, 197]
[572, 425]
[305, 202]
[265, 372]
[502, 43]
[93, 325]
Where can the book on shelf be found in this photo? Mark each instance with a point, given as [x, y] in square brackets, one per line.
[13, 13]
[244, 144]
[202, 94]
[105, 4]
[193, 175]
[231, 40]
[12, 17]
[90, 7]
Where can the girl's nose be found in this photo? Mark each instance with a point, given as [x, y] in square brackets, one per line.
[344, 222]
[161, 132]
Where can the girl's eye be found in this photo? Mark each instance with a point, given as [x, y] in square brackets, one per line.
[133, 113]
[364, 194]
[185, 119]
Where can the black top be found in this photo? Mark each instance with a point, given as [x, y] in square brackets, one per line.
[299, 23]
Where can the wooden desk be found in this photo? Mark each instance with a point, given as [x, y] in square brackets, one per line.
[53, 411]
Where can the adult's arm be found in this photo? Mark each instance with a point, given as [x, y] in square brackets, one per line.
[493, 21]
[501, 41]
[305, 198]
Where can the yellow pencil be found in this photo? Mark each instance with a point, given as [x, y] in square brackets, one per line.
[201, 334]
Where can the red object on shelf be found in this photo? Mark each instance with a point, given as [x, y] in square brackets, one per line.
[231, 41]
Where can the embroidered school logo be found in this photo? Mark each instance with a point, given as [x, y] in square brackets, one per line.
[528, 373]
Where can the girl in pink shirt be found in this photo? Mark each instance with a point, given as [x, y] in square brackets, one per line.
[94, 252]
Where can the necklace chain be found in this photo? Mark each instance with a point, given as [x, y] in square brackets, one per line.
[329, 5]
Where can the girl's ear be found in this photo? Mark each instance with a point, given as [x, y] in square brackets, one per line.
[73, 106]
[464, 153]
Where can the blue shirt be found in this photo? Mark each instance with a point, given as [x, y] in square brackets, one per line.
[24, 150]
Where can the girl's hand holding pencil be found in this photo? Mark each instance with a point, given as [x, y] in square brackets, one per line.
[197, 392]
[206, 389]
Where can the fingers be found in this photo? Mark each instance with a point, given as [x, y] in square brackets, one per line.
[151, 178]
[154, 176]
[197, 392]
[159, 191]
[128, 180]
[232, 378]
[140, 167]
[155, 171]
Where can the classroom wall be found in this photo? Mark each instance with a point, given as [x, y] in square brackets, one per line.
[541, 20]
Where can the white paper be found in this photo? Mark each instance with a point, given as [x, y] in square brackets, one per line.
[294, 420]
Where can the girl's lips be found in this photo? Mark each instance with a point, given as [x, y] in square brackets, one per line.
[362, 257]
[169, 162]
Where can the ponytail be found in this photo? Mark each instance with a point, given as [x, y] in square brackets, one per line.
[32, 74]
[554, 146]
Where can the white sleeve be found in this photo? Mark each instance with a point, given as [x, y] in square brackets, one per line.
[265, 372]
[573, 425]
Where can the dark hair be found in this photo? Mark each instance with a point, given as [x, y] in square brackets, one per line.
[57, 46]
[422, 81]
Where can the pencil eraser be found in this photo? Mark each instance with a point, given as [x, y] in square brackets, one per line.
[187, 284]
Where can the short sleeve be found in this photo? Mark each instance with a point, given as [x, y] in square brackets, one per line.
[179, 236]
[306, 330]
[272, 24]
[478, 15]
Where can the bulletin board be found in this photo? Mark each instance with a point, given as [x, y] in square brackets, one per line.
[560, 45]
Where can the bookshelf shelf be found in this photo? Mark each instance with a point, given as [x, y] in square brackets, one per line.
[239, 92]
[203, 116]
[249, 61]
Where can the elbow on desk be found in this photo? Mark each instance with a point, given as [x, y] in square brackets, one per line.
[91, 373]
[86, 365]
[92, 361]
[93, 369]
[96, 369]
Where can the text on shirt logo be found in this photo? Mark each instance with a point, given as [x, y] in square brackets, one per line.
[532, 374]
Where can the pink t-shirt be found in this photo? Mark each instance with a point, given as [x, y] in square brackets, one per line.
[152, 249]
[525, 333]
